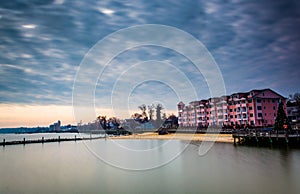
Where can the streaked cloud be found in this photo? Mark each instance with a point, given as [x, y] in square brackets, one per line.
[106, 11]
[255, 44]
[29, 26]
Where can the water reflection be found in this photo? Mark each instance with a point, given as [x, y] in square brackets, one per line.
[68, 167]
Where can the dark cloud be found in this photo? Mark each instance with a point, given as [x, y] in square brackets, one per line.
[255, 43]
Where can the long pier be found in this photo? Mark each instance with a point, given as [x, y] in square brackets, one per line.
[50, 140]
[266, 137]
[104, 134]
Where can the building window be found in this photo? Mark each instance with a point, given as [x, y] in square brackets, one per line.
[274, 114]
[258, 107]
[265, 107]
[265, 114]
[273, 100]
[249, 100]
[250, 108]
[274, 108]
[230, 110]
[259, 114]
[251, 114]
[258, 100]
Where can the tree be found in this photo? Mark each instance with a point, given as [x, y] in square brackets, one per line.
[113, 123]
[281, 122]
[136, 116]
[158, 108]
[143, 108]
[164, 116]
[151, 111]
[102, 121]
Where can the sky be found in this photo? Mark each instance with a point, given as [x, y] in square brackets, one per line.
[46, 46]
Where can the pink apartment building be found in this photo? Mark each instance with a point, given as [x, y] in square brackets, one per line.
[256, 108]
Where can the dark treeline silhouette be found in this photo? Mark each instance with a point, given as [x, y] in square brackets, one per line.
[148, 112]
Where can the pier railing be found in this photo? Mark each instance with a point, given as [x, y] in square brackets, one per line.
[266, 136]
[24, 141]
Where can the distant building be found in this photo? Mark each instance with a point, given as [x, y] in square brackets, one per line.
[55, 126]
[257, 108]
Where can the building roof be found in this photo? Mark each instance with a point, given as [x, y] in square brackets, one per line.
[263, 90]
[245, 95]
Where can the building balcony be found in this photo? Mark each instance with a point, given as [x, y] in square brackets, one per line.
[219, 107]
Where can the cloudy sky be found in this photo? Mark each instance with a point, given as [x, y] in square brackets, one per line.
[255, 45]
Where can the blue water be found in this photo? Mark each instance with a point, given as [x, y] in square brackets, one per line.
[97, 166]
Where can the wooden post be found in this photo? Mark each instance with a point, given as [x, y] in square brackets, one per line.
[24, 140]
[75, 137]
[58, 138]
[3, 142]
[42, 139]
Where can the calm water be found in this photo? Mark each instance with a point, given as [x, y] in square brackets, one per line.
[90, 167]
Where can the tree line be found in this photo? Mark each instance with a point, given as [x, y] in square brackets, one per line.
[150, 113]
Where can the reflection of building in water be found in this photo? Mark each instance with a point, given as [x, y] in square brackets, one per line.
[257, 108]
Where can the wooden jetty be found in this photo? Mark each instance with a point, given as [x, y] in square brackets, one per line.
[43, 140]
[266, 137]
[104, 134]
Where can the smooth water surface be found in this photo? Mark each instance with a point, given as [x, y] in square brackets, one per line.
[69, 167]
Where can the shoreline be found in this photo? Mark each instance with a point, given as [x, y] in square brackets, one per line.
[221, 138]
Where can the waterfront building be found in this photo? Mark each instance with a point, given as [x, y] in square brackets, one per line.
[257, 108]
[55, 126]
[293, 112]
